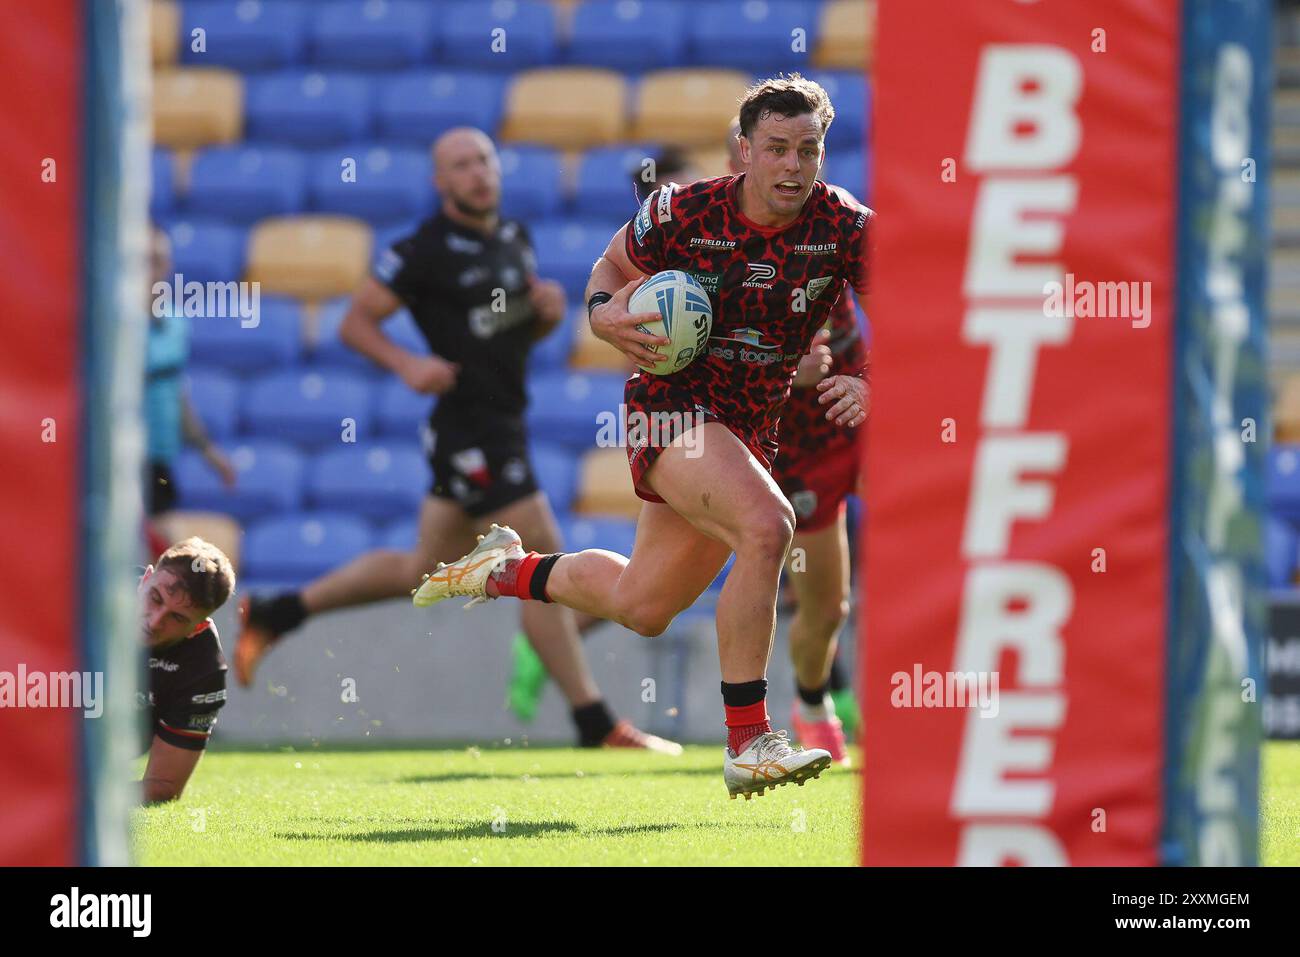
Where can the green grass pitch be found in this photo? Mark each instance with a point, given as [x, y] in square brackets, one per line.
[538, 806]
[530, 806]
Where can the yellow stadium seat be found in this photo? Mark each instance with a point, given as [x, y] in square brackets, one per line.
[592, 353]
[605, 485]
[1286, 412]
[687, 107]
[571, 107]
[221, 530]
[311, 257]
[708, 163]
[846, 35]
[197, 106]
[164, 32]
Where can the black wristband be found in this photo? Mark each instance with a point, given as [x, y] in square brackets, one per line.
[596, 299]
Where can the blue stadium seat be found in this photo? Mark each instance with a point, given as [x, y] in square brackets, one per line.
[307, 407]
[402, 535]
[1284, 481]
[850, 93]
[162, 193]
[628, 36]
[330, 351]
[214, 396]
[384, 186]
[848, 168]
[743, 33]
[246, 183]
[307, 109]
[531, 184]
[522, 31]
[374, 479]
[612, 534]
[363, 34]
[569, 407]
[567, 249]
[297, 548]
[556, 470]
[401, 413]
[269, 481]
[385, 236]
[1281, 544]
[605, 181]
[552, 353]
[416, 107]
[207, 251]
[275, 341]
[245, 36]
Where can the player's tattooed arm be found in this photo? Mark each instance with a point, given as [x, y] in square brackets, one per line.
[610, 321]
[371, 304]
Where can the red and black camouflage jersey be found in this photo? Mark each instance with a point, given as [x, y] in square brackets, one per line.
[771, 289]
[805, 430]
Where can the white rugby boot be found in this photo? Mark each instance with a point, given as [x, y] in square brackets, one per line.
[468, 576]
[768, 762]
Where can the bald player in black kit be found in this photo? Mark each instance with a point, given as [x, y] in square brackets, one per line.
[469, 278]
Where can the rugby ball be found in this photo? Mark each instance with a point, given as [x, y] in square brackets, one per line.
[685, 317]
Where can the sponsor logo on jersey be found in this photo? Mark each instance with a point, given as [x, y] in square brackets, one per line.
[514, 471]
[211, 697]
[804, 503]
[459, 244]
[664, 209]
[168, 666]
[750, 347]
[817, 286]
[508, 232]
[709, 280]
[759, 273]
[861, 220]
[203, 722]
[713, 243]
[474, 275]
[642, 224]
[389, 265]
[471, 463]
[749, 336]
[484, 322]
[815, 249]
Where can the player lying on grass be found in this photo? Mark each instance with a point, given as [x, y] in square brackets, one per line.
[187, 673]
[774, 248]
[450, 274]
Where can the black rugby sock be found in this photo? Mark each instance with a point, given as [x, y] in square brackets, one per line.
[280, 614]
[595, 721]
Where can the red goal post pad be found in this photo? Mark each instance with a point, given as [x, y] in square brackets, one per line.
[1019, 446]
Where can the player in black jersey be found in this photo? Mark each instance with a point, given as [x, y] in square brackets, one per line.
[469, 278]
[187, 673]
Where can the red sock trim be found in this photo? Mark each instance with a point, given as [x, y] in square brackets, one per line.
[746, 715]
[518, 585]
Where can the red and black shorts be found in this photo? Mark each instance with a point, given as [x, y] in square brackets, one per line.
[818, 483]
[656, 417]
